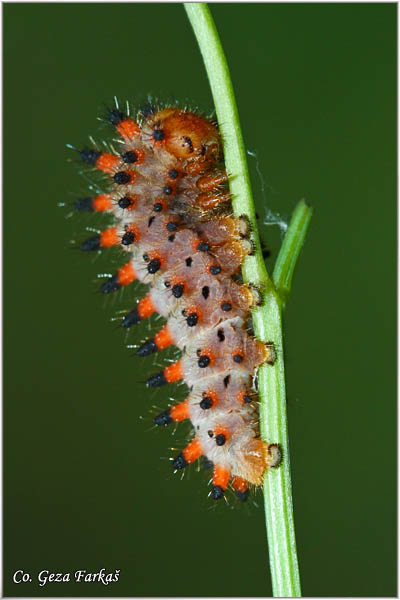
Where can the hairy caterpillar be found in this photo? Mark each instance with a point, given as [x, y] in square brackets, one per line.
[173, 219]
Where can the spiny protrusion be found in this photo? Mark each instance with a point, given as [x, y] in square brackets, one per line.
[84, 204]
[92, 243]
[104, 161]
[220, 482]
[89, 155]
[144, 309]
[179, 462]
[157, 380]
[149, 347]
[148, 109]
[170, 374]
[161, 340]
[111, 285]
[180, 412]
[163, 419]
[105, 239]
[100, 203]
[127, 128]
[190, 454]
[115, 116]
[132, 318]
[176, 414]
[217, 492]
[125, 276]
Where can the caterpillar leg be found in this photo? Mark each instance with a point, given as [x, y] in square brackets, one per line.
[207, 183]
[241, 488]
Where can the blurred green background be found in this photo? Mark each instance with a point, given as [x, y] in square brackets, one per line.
[87, 481]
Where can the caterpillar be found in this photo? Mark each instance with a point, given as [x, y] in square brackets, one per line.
[173, 219]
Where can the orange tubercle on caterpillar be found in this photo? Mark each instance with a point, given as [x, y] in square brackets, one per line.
[126, 274]
[102, 203]
[163, 338]
[107, 162]
[220, 481]
[173, 373]
[109, 238]
[128, 129]
[168, 195]
[180, 412]
[192, 452]
[146, 307]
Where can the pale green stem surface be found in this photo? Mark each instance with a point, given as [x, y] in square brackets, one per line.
[266, 318]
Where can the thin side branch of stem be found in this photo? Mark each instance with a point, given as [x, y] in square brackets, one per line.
[290, 250]
[267, 317]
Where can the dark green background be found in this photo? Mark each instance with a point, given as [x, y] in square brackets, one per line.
[87, 482]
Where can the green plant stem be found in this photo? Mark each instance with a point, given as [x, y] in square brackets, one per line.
[267, 317]
[228, 120]
[273, 420]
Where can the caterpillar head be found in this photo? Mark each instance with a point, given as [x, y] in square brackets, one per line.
[193, 140]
